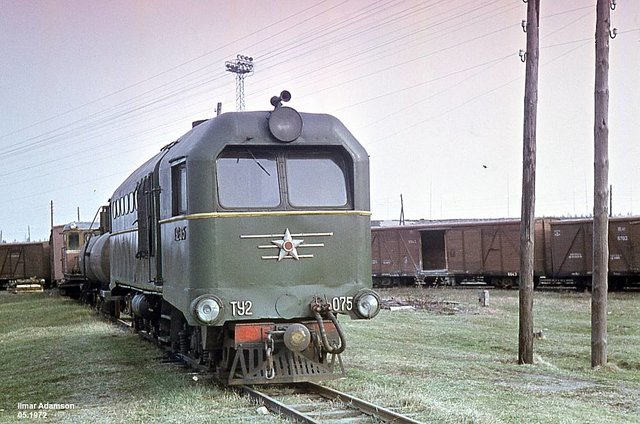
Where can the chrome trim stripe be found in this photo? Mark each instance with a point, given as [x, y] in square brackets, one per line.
[288, 257]
[130, 230]
[255, 236]
[270, 246]
[210, 215]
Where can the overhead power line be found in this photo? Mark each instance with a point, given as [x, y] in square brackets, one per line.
[114, 118]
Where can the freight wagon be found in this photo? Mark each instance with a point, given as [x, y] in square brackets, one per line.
[488, 251]
[23, 261]
[449, 252]
[569, 255]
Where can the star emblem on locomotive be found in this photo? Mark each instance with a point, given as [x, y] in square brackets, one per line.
[287, 246]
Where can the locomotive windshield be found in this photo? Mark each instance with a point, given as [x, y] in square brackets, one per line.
[249, 178]
[316, 180]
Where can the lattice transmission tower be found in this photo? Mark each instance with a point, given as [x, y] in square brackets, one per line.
[242, 66]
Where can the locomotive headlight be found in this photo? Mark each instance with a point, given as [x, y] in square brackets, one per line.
[207, 309]
[285, 124]
[367, 303]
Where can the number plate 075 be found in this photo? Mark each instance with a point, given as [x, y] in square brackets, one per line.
[342, 303]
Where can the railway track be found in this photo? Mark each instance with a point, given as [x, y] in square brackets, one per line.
[303, 402]
[312, 403]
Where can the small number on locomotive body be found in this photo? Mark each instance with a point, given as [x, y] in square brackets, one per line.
[241, 308]
[342, 303]
[180, 233]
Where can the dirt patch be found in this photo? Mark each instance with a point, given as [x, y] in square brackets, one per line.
[436, 306]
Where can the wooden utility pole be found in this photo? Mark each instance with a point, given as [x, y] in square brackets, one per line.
[600, 189]
[527, 222]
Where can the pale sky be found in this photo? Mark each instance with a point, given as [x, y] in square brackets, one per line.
[432, 89]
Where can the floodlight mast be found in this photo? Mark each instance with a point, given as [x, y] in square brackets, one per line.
[242, 66]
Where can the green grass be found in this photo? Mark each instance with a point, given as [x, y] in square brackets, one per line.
[55, 350]
[463, 367]
[431, 364]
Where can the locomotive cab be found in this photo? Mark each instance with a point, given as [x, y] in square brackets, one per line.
[74, 237]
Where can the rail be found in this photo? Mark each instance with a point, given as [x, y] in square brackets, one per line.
[312, 403]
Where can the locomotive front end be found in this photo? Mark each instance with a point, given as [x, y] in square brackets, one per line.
[269, 229]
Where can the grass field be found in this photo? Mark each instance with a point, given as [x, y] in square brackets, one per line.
[451, 362]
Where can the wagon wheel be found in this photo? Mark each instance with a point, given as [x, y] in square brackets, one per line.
[508, 283]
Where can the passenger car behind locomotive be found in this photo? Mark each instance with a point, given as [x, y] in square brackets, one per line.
[239, 243]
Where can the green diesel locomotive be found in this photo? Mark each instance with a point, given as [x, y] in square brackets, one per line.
[239, 244]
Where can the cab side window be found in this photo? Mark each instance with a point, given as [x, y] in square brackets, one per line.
[179, 189]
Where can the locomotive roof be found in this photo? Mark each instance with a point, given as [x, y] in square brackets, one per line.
[209, 138]
[241, 128]
[77, 226]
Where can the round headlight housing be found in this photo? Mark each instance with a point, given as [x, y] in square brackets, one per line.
[207, 309]
[285, 124]
[367, 303]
